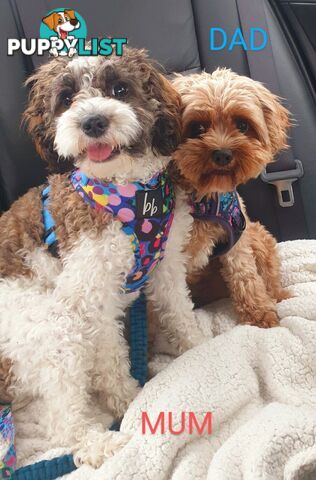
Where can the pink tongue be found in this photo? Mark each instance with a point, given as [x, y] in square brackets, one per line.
[99, 153]
[63, 34]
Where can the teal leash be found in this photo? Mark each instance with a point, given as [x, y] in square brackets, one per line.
[46, 469]
[139, 340]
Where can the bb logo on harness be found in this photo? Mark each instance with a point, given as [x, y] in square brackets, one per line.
[149, 204]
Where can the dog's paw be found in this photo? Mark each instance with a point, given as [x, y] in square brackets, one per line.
[115, 442]
[54, 52]
[96, 447]
[262, 319]
[269, 319]
[72, 52]
[283, 295]
[194, 340]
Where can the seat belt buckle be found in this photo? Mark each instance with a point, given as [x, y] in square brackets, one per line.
[283, 181]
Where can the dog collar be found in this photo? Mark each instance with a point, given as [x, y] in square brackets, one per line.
[145, 211]
[225, 209]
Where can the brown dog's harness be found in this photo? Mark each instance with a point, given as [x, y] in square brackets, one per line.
[224, 209]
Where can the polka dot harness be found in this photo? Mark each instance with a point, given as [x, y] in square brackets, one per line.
[146, 213]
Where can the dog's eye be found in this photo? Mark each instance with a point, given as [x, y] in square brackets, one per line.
[242, 125]
[67, 18]
[196, 129]
[120, 90]
[60, 20]
[66, 99]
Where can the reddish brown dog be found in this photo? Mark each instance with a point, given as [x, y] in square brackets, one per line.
[225, 112]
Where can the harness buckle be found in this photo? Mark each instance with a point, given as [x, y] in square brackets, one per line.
[283, 181]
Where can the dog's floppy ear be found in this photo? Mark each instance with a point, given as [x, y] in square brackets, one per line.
[166, 134]
[71, 14]
[277, 118]
[37, 115]
[165, 101]
[50, 20]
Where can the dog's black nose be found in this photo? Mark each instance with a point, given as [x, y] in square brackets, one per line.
[222, 157]
[73, 22]
[94, 125]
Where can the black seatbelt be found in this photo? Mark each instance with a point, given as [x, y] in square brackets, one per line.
[286, 170]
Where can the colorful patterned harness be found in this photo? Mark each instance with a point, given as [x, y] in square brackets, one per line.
[7, 450]
[224, 209]
[146, 213]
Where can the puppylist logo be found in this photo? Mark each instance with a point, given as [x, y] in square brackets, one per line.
[63, 31]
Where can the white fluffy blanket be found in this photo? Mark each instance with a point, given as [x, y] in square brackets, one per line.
[260, 386]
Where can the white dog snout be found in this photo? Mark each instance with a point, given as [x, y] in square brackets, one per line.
[114, 122]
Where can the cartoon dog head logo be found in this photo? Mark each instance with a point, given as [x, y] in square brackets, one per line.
[62, 22]
[63, 27]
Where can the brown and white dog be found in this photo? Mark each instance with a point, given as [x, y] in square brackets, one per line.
[61, 318]
[232, 128]
[62, 23]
